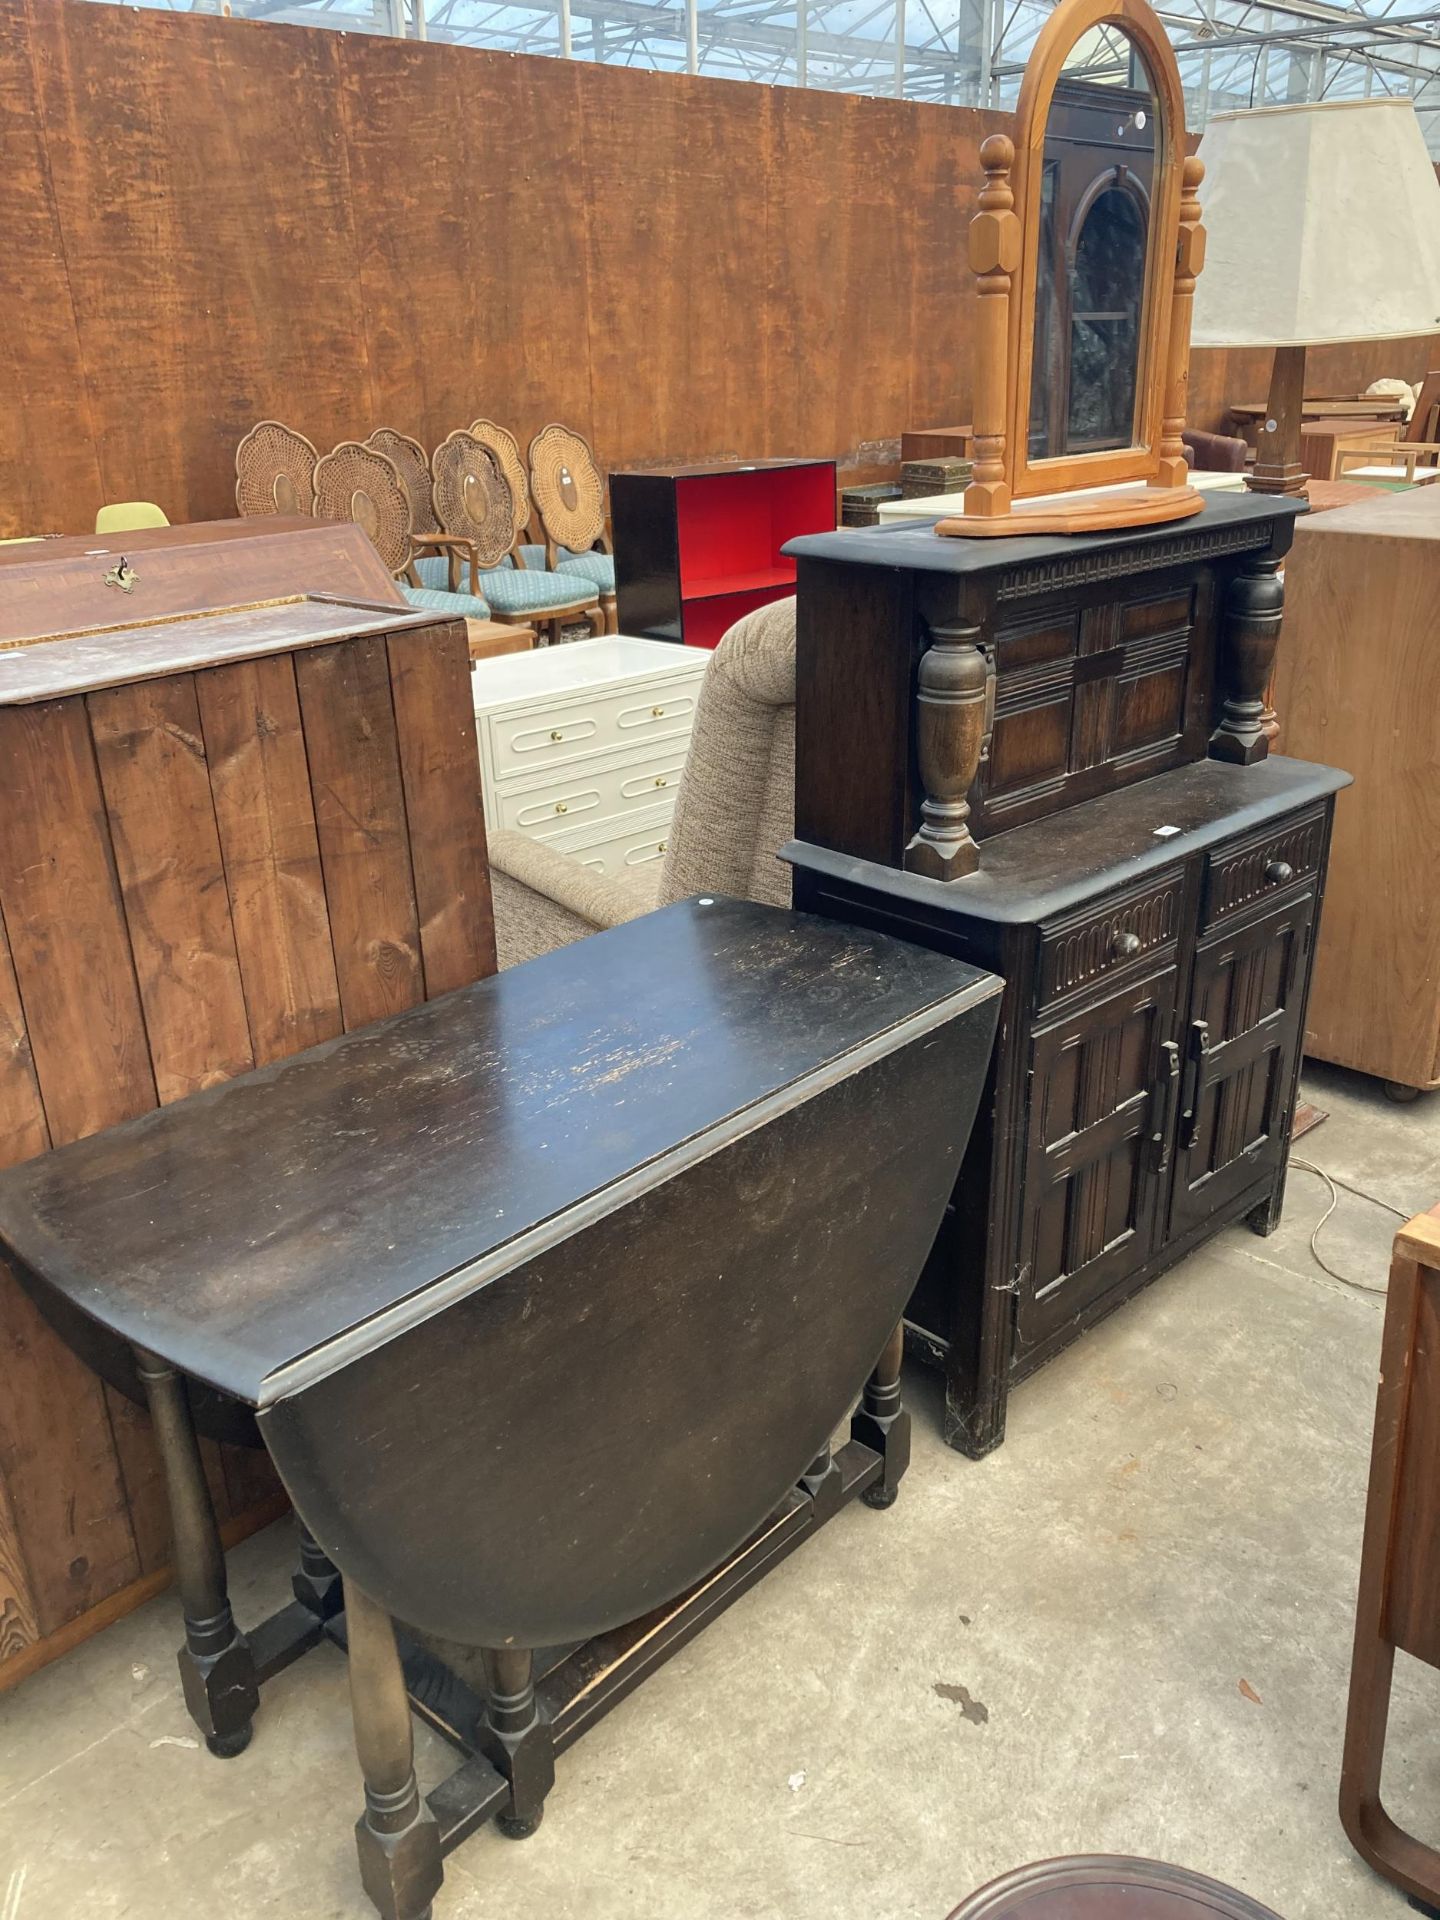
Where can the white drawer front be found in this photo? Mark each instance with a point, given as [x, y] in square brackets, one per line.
[572, 797]
[569, 732]
[616, 847]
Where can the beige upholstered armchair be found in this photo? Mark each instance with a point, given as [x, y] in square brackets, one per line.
[734, 809]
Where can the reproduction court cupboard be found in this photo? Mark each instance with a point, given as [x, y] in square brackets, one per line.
[1047, 756]
[226, 836]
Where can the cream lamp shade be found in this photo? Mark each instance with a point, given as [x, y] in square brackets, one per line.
[1323, 224]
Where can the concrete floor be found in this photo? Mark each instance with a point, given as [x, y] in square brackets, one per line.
[1127, 1631]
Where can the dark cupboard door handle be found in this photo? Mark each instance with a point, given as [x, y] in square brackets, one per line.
[1165, 1097]
[1196, 1049]
[1279, 873]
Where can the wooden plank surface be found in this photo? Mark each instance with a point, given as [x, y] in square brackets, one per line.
[349, 721]
[156, 782]
[260, 783]
[440, 768]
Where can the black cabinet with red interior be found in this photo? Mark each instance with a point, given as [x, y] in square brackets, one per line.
[696, 547]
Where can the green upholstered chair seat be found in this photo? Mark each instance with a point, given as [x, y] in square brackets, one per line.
[597, 568]
[464, 606]
[511, 589]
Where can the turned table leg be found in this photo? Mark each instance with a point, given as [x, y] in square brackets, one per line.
[515, 1739]
[316, 1582]
[824, 1483]
[883, 1422]
[217, 1669]
[397, 1838]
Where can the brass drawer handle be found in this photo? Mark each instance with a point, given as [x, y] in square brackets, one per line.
[659, 779]
[556, 734]
[662, 846]
[560, 807]
[657, 713]
[1124, 944]
[1279, 873]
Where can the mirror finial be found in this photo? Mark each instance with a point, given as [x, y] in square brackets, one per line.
[994, 257]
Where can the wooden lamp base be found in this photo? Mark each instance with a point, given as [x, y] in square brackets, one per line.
[1277, 466]
[1152, 507]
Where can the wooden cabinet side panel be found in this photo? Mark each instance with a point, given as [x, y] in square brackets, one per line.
[440, 770]
[23, 1133]
[60, 898]
[1358, 686]
[156, 784]
[349, 722]
[265, 818]
[857, 642]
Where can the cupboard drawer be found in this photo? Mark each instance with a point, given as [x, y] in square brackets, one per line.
[1263, 863]
[1087, 946]
[569, 732]
[578, 796]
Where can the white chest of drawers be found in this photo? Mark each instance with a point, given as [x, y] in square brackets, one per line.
[582, 746]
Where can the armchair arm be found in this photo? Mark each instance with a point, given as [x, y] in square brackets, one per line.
[544, 899]
[457, 548]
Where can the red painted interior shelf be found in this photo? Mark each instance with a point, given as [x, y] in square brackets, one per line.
[697, 547]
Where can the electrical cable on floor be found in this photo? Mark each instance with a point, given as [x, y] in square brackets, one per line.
[1333, 1183]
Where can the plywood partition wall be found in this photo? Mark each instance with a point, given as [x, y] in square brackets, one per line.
[211, 220]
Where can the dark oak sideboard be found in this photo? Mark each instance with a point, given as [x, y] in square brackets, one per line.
[1049, 757]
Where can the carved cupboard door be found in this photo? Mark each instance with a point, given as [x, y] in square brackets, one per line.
[1098, 1117]
[1241, 1049]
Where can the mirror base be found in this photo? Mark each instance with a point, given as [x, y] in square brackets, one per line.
[1107, 512]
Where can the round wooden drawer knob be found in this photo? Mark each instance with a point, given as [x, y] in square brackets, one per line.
[1279, 873]
[1124, 944]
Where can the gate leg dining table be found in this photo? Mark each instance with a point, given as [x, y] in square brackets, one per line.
[667, 1189]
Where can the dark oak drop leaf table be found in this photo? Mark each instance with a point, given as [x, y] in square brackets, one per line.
[546, 1297]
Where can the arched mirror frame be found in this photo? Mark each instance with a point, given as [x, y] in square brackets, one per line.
[1069, 23]
[1004, 250]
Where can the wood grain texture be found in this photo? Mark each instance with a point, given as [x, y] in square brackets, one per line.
[260, 783]
[61, 901]
[264, 221]
[1357, 684]
[349, 720]
[151, 756]
[440, 770]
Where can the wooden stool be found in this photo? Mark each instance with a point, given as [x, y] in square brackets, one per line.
[1102, 1886]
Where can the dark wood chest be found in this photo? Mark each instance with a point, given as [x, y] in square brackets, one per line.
[1049, 757]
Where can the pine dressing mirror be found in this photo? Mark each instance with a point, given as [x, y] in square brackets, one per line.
[1086, 247]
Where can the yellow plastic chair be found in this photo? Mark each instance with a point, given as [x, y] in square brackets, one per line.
[126, 515]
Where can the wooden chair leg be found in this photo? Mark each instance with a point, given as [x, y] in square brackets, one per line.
[396, 1837]
[217, 1668]
[883, 1422]
[596, 622]
[515, 1738]
[611, 612]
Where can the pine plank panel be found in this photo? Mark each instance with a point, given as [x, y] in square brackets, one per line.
[61, 905]
[264, 810]
[156, 783]
[68, 941]
[349, 722]
[18, 1626]
[440, 768]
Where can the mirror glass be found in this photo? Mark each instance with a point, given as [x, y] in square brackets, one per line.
[1098, 168]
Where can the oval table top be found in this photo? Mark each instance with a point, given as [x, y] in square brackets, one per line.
[1108, 1887]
